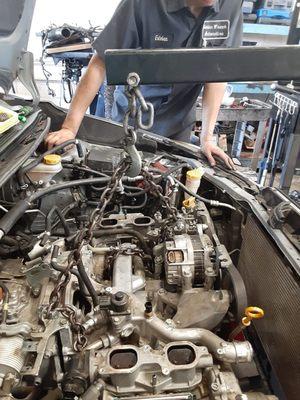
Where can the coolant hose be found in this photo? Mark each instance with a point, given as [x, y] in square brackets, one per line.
[231, 352]
[135, 161]
[16, 212]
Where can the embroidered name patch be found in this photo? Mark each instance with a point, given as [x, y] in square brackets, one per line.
[162, 38]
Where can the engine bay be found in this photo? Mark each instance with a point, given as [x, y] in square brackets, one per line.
[117, 286]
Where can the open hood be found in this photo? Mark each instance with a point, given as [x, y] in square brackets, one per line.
[15, 61]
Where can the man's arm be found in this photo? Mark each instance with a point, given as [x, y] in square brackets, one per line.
[211, 103]
[214, 92]
[86, 91]
[120, 33]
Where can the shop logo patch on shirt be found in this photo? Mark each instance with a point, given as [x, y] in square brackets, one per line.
[216, 30]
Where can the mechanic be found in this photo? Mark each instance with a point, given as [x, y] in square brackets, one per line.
[152, 24]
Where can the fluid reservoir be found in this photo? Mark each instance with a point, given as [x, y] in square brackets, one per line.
[47, 169]
[193, 180]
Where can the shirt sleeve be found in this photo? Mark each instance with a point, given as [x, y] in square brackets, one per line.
[122, 32]
[235, 38]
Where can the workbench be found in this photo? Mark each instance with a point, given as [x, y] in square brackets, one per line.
[259, 111]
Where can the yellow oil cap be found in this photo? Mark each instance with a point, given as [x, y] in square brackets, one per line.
[189, 203]
[195, 174]
[52, 159]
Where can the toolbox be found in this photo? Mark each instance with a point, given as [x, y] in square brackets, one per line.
[8, 119]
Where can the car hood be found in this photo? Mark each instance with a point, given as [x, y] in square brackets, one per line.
[15, 23]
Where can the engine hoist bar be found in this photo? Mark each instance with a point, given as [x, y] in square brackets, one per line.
[204, 65]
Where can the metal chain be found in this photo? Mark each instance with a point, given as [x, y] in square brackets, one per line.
[81, 340]
[157, 190]
[57, 294]
[106, 197]
[135, 111]
[138, 110]
[57, 304]
[113, 255]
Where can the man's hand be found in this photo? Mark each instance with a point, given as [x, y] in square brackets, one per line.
[85, 93]
[59, 137]
[211, 103]
[210, 149]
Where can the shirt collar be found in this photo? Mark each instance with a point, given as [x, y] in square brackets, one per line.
[176, 5]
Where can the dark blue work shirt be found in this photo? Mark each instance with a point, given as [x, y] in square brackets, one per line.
[168, 24]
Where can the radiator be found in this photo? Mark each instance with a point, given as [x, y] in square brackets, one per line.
[272, 285]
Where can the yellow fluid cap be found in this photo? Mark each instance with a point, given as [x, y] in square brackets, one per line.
[189, 203]
[195, 174]
[52, 159]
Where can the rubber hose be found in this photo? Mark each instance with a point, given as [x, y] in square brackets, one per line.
[88, 284]
[137, 207]
[203, 199]
[56, 210]
[10, 241]
[16, 212]
[60, 268]
[83, 169]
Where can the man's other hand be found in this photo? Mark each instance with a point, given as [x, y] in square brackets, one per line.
[59, 137]
[211, 150]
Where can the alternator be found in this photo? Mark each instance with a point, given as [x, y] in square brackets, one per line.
[184, 261]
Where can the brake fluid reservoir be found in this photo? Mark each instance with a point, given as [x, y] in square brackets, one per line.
[47, 169]
[193, 180]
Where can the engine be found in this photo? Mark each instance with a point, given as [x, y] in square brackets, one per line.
[116, 287]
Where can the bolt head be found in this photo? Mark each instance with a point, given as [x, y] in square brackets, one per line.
[214, 386]
[37, 381]
[36, 292]
[133, 79]
[119, 296]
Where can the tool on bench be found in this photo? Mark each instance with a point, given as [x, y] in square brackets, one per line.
[268, 149]
[280, 128]
[279, 147]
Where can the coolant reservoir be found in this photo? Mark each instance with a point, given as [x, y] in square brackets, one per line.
[47, 169]
[193, 180]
